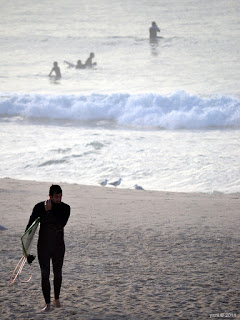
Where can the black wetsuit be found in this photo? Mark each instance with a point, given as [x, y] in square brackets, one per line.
[153, 32]
[51, 243]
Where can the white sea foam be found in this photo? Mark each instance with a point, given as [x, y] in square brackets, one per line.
[174, 111]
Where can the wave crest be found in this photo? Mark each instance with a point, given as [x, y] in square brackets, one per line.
[178, 110]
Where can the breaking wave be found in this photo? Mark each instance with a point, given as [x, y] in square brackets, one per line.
[178, 110]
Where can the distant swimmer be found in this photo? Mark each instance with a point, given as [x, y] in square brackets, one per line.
[56, 69]
[80, 65]
[89, 63]
[153, 30]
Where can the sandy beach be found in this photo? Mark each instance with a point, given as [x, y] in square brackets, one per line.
[130, 254]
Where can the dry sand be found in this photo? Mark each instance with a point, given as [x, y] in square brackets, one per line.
[129, 254]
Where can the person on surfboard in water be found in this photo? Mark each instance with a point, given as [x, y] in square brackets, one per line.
[153, 30]
[55, 69]
[89, 63]
[53, 215]
[80, 65]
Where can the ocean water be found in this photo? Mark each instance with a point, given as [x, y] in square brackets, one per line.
[162, 114]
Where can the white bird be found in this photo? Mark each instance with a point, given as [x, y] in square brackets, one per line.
[104, 183]
[138, 187]
[116, 183]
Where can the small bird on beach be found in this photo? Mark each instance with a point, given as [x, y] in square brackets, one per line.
[116, 183]
[104, 183]
[138, 187]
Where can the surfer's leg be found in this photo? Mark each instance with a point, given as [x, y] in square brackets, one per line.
[57, 261]
[44, 261]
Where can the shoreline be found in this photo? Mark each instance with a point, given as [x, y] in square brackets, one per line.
[214, 192]
[130, 254]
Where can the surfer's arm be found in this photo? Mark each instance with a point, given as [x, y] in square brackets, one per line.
[63, 218]
[51, 72]
[66, 216]
[31, 220]
[35, 214]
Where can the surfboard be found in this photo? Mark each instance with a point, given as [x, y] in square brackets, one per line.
[70, 65]
[27, 238]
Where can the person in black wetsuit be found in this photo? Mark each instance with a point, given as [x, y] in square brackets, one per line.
[153, 30]
[53, 215]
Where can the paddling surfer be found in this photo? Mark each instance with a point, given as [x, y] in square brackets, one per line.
[80, 65]
[53, 215]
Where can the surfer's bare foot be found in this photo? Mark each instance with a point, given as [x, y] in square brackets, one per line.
[56, 303]
[47, 307]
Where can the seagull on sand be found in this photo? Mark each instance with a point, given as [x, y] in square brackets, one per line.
[138, 187]
[104, 183]
[116, 183]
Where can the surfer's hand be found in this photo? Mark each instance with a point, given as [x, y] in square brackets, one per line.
[48, 205]
[30, 258]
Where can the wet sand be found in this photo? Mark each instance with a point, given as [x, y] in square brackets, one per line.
[130, 254]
